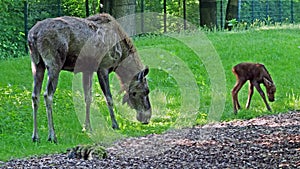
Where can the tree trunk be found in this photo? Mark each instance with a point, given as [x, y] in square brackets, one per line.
[123, 11]
[87, 9]
[208, 13]
[106, 6]
[231, 11]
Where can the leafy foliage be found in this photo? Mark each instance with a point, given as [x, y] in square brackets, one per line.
[12, 39]
[74, 8]
[42, 9]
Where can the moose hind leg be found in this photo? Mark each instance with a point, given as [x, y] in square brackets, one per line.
[104, 84]
[38, 76]
[87, 88]
[234, 92]
[48, 96]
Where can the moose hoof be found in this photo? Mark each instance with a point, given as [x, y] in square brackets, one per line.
[115, 126]
[86, 129]
[35, 139]
[52, 139]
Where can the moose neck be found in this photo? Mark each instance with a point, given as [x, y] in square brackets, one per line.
[269, 79]
[128, 68]
[267, 76]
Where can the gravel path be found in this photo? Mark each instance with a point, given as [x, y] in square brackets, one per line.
[266, 142]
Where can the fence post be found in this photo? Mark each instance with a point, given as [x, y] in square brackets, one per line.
[184, 14]
[280, 11]
[58, 8]
[239, 10]
[292, 11]
[221, 16]
[199, 13]
[87, 10]
[165, 16]
[267, 9]
[252, 11]
[101, 8]
[142, 16]
[26, 23]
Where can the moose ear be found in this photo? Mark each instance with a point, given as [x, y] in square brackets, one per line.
[269, 83]
[146, 71]
[143, 73]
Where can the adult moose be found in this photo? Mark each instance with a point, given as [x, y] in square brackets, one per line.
[94, 44]
[256, 74]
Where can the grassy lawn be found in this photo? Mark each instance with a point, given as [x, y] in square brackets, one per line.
[277, 48]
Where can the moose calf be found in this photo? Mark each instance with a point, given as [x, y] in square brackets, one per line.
[256, 74]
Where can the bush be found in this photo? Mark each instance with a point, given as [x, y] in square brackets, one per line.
[12, 37]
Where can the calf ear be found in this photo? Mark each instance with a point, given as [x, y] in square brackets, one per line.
[267, 82]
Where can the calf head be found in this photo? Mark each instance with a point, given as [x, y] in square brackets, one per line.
[137, 96]
[271, 89]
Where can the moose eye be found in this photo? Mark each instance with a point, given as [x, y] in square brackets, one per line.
[146, 92]
[133, 94]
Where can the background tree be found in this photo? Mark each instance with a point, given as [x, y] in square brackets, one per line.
[231, 11]
[124, 9]
[208, 13]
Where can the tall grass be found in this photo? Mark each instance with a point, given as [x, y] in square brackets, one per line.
[278, 49]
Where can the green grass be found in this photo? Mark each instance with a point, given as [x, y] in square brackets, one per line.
[278, 49]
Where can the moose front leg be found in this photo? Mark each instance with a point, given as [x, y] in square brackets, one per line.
[249, 94]
[104, 84]
[262, 94]
[87, 88]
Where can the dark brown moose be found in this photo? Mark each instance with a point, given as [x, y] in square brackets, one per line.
[256, 74]
[94, 44]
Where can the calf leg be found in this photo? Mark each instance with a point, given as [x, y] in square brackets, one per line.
[53, 74]
[234, 93]
[38, 71]
[249, 95]
[262, 94]
[104, 84]
[87, 87]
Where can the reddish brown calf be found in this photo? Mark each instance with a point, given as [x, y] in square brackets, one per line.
[256, 74]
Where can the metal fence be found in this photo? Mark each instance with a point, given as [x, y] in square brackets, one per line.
[248, 10]
[268, 11]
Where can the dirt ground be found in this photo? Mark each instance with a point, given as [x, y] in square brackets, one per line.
[266, 142]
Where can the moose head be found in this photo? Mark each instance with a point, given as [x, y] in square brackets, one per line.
[137, 96]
